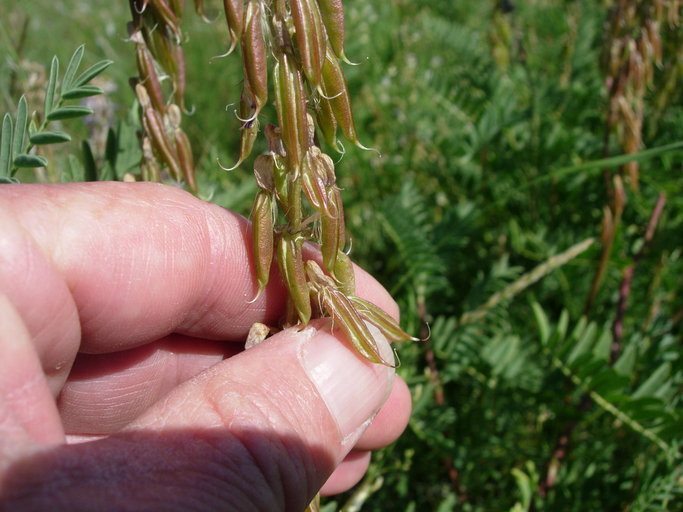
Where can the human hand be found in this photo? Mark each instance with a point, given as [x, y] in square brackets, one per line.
[123, 312]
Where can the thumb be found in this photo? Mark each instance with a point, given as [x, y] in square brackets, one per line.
[262, 431]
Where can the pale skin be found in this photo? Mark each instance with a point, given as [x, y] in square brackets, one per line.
[123, 384]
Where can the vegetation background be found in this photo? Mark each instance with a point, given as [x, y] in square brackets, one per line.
[542, 387]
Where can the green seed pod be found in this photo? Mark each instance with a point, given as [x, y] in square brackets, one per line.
[336, 90]
[290, 104]
[332, 12]
[310, 38]
[254, 55]
[332, 231]
[344, 275]
[262, 233]
[385, 323]
[336, 305]
[327, 122]
[291, 263]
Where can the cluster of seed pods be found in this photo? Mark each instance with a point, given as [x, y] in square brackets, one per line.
[155, 31]
[294, 48]
[635, 50]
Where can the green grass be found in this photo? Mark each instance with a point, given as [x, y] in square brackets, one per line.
[479, 179]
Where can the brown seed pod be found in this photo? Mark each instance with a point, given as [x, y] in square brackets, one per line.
[254, 55]
[148, 75]
[184, 151]
[234, 17]
[310, 38]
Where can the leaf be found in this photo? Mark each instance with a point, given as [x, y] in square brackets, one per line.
[51, 85]
[20, 127]
[69, 112]
[89, 165]
[72, 68]
[92, 72]
[42, 138]
[83, 91]
[541, 322]
[654, 382]
[6, 146]
[30, 161]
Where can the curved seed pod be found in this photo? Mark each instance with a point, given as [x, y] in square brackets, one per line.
[385, 323]
[344, 275]
[336, 90]
[234, 16]
[310, 38]
[291, 109]
[148, 76]
[254, 55]
[332, 13]
[201, 12]
[154, 127]
[165, 14]
[315, 182]
[262, 231]
[339, 307]
[291, 263]
[184, 150]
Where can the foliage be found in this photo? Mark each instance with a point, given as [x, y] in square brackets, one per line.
[491, 129]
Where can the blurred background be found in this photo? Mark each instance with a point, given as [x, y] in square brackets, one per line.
[499, 210]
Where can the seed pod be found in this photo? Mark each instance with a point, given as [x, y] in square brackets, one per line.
[264, 170]
[315, 181]
[326, 122]
[178, 6]
[262, 232]
[310, 38]
[234, 16]
[154, 127]
[335, 88]
[179, 76]
[254, 55]
[184, 150]
[148, 76]
[291, 109]
[166, 15]
[162, 50]
[339, 307]
[291, 263]
[332, 12]
[344, 275]
[385, 323]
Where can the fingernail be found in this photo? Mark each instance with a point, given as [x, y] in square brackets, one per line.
[353, 388]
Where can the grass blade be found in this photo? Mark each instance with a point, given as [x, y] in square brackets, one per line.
[6, 145]
[71, 69]
[20, 127]
[51, 86]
